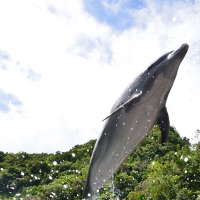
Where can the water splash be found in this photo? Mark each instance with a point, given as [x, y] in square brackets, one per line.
[112, 186]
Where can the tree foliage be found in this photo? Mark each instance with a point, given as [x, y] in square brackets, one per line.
[152, 171]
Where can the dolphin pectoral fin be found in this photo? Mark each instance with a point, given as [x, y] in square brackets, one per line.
[119, 108]
[163, 123]
[124, 105]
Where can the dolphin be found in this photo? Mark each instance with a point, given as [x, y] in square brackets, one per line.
[140, 106]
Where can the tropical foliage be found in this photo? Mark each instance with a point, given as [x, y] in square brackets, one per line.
[152, 172]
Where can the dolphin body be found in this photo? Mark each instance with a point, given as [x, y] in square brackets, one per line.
[132, 117]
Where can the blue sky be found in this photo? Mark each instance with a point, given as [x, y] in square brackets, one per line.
[3, 56]
[114, 13]
[64, 63]
[118, 14]
[6, 99]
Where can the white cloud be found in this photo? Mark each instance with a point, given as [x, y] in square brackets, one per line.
[67, 69]
[113, 6]
[59, 108]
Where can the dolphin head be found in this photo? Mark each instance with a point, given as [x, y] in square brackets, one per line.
[169, 63]
[173, 61]
[161, 74]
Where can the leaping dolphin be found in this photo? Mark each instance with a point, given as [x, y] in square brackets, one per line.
[132, 117]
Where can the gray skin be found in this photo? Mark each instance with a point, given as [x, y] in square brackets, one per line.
[132, 117]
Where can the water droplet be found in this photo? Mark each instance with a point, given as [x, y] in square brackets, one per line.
[186, 159]
[73, 154]
[22, 173]
[185, 171]
[54, 163]
[50, 177]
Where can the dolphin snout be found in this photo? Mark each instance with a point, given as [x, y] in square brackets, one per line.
[185, 46]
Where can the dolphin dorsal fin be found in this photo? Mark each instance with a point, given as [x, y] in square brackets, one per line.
[123, 105]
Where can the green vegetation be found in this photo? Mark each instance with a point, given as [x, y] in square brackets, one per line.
[152, 172]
